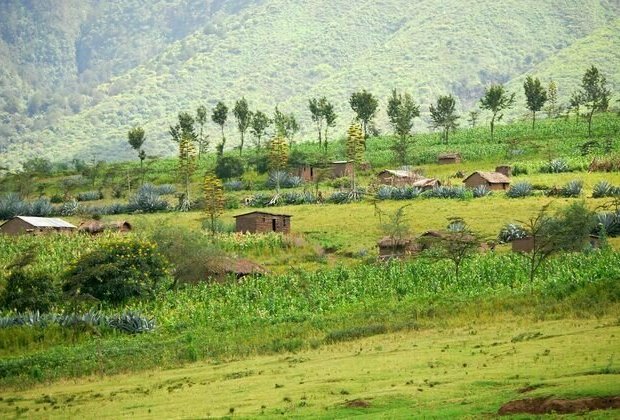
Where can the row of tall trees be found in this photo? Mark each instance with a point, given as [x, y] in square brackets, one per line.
[189, 132]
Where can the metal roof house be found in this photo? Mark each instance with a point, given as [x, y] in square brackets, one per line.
[20, 225]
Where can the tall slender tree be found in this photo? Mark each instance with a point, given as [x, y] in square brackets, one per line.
[496, 99]
[401, 112]
[185, 127]
[214, 198]
[277, 159]
[219, 116]
[552, 100]
[355, 154]
[316, 113]
[535, 96]
[243, 115]
[330, 120]
[136, 139]
[201, 120]
[260, 124]
[365, 106]
[443, 115]
[593, 95]
[187, 166]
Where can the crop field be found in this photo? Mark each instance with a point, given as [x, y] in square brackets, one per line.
[330, 331]
[457, 370]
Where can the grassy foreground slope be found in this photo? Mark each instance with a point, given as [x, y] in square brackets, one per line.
[460, 369]
[283, 52]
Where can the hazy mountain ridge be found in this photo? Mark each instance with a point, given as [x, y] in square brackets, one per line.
[282, 52]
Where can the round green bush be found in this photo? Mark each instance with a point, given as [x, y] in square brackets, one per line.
[119, 270]
[29, 291]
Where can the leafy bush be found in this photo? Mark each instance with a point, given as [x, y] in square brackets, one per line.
[519, 170]
[520, 189]
[56, 199]
[231, 202]
[605, 164]
[89, 196]
[117, 271]
[481, 191]
[342, 182]
[510, 232]
[555, 166]
[29, 291]
[228, 167]
[190, 252]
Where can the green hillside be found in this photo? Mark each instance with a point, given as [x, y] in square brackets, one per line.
[142, 65]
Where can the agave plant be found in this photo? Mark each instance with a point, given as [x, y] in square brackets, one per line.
[132, 322]
[69, 208]
[384, 192]
[572, 189]
[520, 189]
[604, 189]
[481, 191]
[609, 222]
[41, 207]
[510, 232]
[234, 185]
[555, 166]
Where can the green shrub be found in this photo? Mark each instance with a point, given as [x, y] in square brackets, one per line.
[228, 167]
[519, 170]
[89, 196]
[117, 271]
[29, 291]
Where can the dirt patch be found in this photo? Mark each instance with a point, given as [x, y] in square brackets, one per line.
[560, 406]
[357, 404]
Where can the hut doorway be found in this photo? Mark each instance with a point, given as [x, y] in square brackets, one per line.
[273, 225]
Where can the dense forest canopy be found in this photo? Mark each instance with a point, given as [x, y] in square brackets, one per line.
[76, 75]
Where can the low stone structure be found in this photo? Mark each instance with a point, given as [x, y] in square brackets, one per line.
[262, 222]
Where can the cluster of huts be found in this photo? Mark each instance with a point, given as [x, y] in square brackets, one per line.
[264, 222]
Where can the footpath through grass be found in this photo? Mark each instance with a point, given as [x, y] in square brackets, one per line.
[463, 368]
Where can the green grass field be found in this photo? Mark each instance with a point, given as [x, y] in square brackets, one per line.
[467, 368]
[330, 331]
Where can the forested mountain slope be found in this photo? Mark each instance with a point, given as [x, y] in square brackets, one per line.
[79, 74]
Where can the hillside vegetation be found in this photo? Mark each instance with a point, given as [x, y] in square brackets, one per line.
[78, 80]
